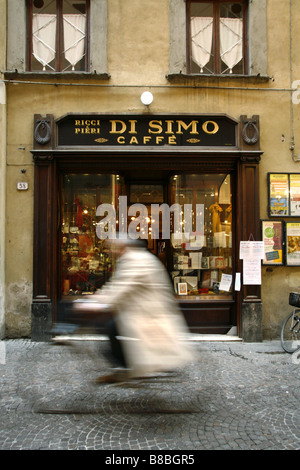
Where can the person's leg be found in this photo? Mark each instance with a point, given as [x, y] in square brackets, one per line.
[116, 357]
[116, 346]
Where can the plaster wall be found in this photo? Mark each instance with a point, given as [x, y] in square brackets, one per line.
[138, 60]
[2, 165]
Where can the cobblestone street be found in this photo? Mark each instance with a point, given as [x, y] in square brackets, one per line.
[235, 396]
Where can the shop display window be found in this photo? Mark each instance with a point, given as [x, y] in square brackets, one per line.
[86, 261]
[193, 234]
[201, 253]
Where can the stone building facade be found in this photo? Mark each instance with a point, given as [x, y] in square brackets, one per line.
[223, 113]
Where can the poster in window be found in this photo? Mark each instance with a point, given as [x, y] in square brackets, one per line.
[272, 236]
[295, 194]
[292, 244]
[278, 194]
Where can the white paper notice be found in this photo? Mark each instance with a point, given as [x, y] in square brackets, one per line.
[237, 281]
[251, 272]
[252, 250]
[225, 283]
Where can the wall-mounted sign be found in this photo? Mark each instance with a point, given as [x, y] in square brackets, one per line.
[292, 244]
[278, 194]
[284, 194]
[272, 236]
[295, 194]
[21, 186]
[251, 252]
[99, 130]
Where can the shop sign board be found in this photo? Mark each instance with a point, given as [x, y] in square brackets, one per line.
[99, 130]
[273, 238]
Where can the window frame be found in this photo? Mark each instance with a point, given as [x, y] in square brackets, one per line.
[216, 37]
[59, 38]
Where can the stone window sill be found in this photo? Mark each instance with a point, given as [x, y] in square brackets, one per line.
[200, 78]
[55, 75]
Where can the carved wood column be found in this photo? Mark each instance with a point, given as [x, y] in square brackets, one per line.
[248, 219]
[248, 222]
[44, 225]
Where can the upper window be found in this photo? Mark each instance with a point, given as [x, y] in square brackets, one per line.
[58, 35]
[216, 32]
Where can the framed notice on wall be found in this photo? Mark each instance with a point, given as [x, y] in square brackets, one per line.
[278, 194]
[294, 194]
[292, 244]
[284, 194]
[273, 237]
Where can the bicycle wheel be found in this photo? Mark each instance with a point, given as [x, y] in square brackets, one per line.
[290, 332]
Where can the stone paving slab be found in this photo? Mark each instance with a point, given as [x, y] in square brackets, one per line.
[234, 396]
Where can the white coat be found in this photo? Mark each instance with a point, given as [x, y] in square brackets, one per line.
[149, 321]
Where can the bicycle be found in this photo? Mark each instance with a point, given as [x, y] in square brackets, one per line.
[290, 332]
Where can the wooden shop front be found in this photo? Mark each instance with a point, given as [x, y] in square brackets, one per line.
[204, 163]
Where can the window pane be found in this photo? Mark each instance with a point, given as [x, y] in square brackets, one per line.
[216, 37]
[231, 37]
[74, 35]
[202, 259]
[85, 260]
[59, 35]
[44, 24]
[201, 26]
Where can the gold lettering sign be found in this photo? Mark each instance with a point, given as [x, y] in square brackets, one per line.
[155, 127]
[185, 126]
[147, 130]
[215, 127]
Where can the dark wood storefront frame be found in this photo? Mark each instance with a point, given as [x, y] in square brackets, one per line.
[50, 161]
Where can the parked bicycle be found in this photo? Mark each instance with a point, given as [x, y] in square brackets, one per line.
[290, 332]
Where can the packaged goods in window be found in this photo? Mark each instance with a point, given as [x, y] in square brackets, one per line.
[205, 279]
[176, 282]
[205, 262]
[192, 283]
[195, 260]
[217, 262]
[209, 278]
[181, 261]
[182, 288]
